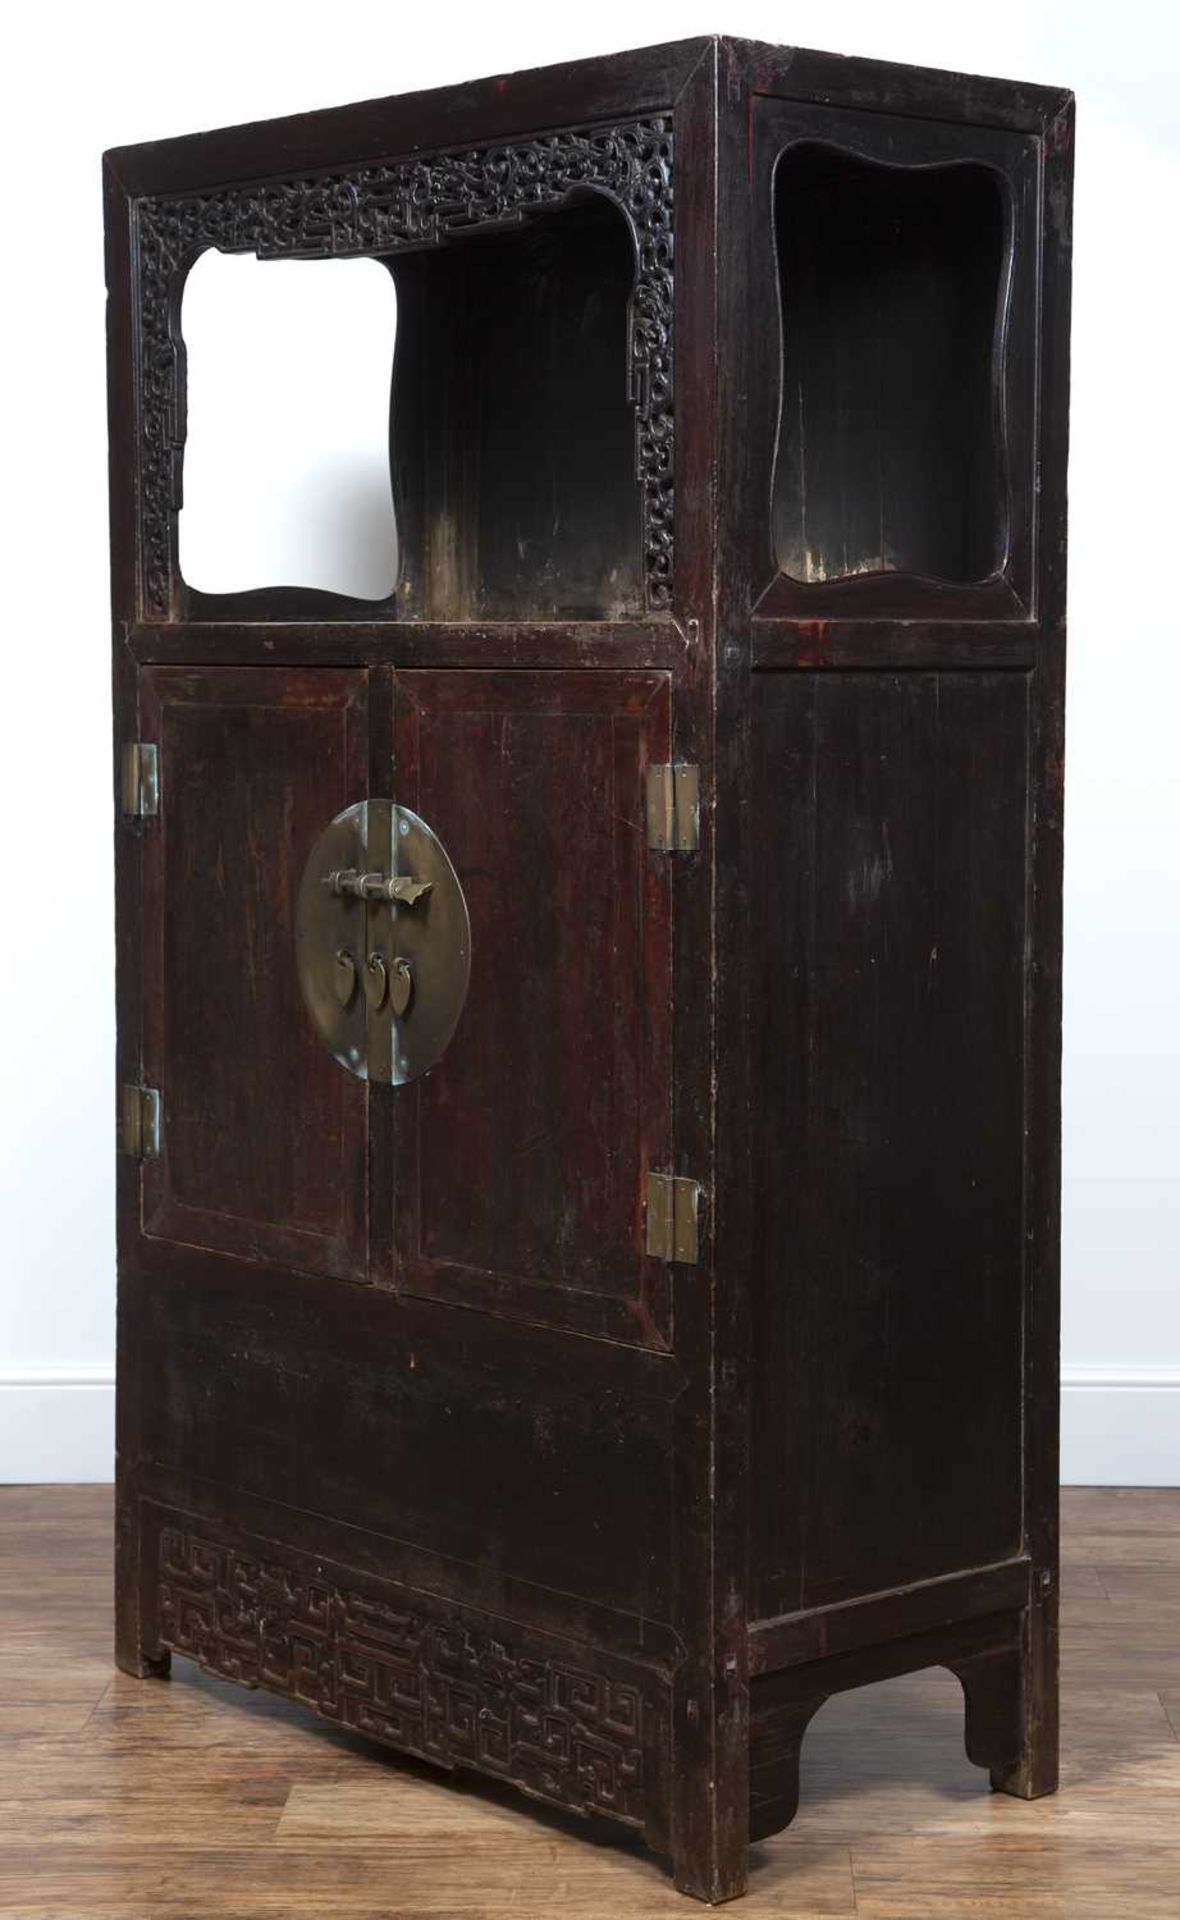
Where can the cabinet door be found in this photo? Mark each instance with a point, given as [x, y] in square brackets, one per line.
[522, 1159]
[263, 1150]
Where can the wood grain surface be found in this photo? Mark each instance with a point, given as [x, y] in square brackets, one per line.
[125, 1797]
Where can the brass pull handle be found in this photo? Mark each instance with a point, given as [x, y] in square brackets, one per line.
[344, 976]
[401, 987]
[376, 981]
[379, 979]
[376, 886]
[395, 980]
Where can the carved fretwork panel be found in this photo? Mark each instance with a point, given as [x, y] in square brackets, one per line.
[396, 207]
[425, 1676]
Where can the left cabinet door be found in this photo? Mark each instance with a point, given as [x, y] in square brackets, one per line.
[263, 1136]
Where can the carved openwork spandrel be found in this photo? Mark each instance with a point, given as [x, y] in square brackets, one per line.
[398, 206]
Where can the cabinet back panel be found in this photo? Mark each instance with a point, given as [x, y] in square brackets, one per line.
[513, 431]
[892, 285]
[887, 929]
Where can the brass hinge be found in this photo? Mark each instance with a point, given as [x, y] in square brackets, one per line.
[674, 808]
[139, 1131]
[673, 1206]
[141, 780]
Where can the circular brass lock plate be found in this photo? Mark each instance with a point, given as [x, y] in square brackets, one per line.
[382, 942]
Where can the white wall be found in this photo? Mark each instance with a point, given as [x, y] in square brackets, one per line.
[132, 71]
[273, 491]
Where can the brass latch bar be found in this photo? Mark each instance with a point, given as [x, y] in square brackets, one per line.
[377, 886]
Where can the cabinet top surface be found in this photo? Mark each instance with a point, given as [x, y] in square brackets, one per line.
[571, 93]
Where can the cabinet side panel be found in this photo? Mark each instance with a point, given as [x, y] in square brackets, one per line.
[888, 912]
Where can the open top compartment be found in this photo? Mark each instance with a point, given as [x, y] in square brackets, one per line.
[523, 393]
[892, 292]
[513, 429]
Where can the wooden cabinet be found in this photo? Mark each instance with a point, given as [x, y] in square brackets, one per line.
[586, 1395]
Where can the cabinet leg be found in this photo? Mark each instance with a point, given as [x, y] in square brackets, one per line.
[137, 1645]
[774, 1764]
[1011, 1698]
[710, 1837]
[711, 1872]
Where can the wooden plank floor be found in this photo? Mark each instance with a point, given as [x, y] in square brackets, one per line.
[190, 1797]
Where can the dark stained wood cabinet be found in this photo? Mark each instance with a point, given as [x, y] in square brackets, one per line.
[680, 1348]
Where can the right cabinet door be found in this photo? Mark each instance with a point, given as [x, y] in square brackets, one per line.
[521, 1162]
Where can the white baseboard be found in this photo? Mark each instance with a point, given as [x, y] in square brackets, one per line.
[1120, 1427]
[57, 1424]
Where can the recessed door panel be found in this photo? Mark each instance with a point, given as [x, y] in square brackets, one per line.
[263, 1135]
[522, 1158]
[888, 925]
